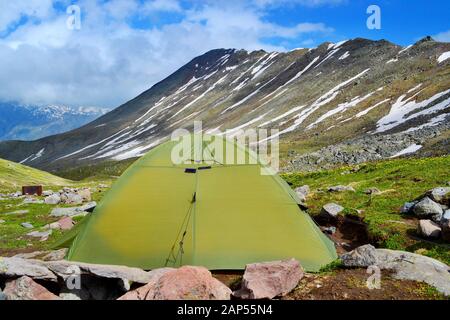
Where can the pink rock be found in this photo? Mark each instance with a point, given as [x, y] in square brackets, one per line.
[185, 283]
[24, 288]
[267, 280]
[66, 223]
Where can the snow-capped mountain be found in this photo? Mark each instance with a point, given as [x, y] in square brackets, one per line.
[353, 99]
[26, 122]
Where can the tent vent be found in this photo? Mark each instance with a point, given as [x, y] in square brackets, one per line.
[204, 168]
[190, 170]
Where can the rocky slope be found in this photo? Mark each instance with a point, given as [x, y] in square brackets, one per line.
[25, 122]
[333, 95]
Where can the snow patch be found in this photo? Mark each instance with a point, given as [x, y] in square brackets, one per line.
[411, 149]
[444, 56]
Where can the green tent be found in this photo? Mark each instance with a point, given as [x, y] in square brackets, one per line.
[208, 211]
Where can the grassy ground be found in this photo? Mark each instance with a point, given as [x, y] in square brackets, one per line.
[14, 175]
[400, 180]
[105, 170]
[13, 236]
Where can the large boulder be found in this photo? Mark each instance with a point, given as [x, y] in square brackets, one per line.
[267, 280]
[17, 267]
[65, 269]
[24, 288]
[428, 208]
[429, 229]
[53, 199]
[330, 211]
[404, 265]
[185, 283]
[440, 195]
[341, 188]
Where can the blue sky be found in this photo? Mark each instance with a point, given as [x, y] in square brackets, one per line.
[125, 46]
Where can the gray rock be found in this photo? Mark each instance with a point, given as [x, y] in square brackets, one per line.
[407, 207]
[446, 215]
[27, 225]
[47, 193]
[55, 255]
[40, 234]
[405, 265]
[64, 269]
[440, 194]
[341, 188]
[331, 210]
[53, 199]
[17, 267]
[427, 207]
[302, 192]
[30, 200]
[71, 198]
[29, 255]
[74, 211]
[429, 229]
[2, 221]
[372, 191]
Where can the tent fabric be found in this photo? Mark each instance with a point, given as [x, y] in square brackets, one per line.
[205, 212]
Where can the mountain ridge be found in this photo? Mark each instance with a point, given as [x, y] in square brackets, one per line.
[361, 87]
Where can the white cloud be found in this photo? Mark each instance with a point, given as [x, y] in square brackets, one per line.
[443, 36]
[108, 62]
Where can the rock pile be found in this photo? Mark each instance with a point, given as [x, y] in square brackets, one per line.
[432, 208]
[33, 279]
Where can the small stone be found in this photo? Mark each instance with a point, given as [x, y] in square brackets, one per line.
[40, 234]
[53, 199]
[330, 230]
[331, 210]
[302, 192]
[47, 193]
[85, 194]
[2, 221]
[429, 229]
[372, 191]
[341, 188]
[407, 207]
[27, 225]
[66, 223]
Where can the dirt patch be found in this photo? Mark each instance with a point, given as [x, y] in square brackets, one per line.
[351, 232]
[351, 285]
